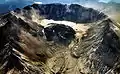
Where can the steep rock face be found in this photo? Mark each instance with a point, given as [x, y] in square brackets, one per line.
[76, 40]
[66, 12]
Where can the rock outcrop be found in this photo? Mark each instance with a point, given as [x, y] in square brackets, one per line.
[77, 40]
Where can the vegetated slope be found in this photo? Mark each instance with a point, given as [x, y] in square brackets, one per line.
[58, 39]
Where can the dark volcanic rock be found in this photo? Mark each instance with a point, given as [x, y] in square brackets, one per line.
[59, 33]
[66, 12]
[28, 46]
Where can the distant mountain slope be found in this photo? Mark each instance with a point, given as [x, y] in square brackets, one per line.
[8, 6]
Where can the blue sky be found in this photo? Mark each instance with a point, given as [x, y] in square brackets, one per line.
[57, 1]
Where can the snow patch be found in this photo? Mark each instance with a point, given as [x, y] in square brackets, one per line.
[80, 29]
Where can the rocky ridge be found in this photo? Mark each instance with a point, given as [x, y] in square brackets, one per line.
[75, 40]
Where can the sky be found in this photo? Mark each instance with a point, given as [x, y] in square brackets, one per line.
[57, 1]
[105, 1]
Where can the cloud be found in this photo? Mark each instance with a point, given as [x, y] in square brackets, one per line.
[105, 1]
[37, 2]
